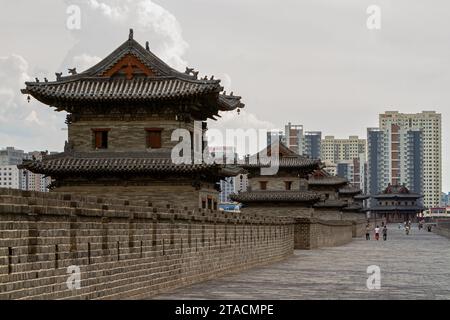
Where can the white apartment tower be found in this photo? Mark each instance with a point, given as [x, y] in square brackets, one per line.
[403, 131]
[337, 150]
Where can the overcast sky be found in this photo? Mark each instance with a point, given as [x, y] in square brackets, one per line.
[311, 62]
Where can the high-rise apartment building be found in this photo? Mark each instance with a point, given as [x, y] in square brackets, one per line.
[312, 141]
[306, 143]
[12, 177]
[275, 136]
[12, 156]
[394, 157]
[232, 185]
[293, 135]
[413, 151]
[336, 150]
[354, 171]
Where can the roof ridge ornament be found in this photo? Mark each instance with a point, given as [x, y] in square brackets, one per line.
[147, 46]
[131, 35]
[73, 71]
[58, 75]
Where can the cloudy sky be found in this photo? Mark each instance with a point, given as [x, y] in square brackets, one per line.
[311, 62]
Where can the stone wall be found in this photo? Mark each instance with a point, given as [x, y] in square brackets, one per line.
[159, 193]
[442, 228]
[280, 210]
[124, 249]
[124, 135]
[311, 233]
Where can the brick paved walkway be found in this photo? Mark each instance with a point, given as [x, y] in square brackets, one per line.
[412, 267]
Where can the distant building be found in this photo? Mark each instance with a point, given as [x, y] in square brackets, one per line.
[311, 144]
[413, 152]
[10, 177]
[336, 150]
[446, 199]
[275, 136]
[11, 156]
[294, 137]
[395, 156]
[232, 185]
[406, 149]
[396, 204]
[353, 170]
[227, 153]
[305, 143]
[14, 178]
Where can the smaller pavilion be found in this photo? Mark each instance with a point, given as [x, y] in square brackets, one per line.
[396, 204]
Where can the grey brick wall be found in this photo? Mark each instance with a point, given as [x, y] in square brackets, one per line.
[125, 249]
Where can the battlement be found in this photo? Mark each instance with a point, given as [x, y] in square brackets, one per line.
[125, 249]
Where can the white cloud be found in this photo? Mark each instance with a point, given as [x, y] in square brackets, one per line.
[84, 61]
[26, 125]
[104, 20]
[33, 118]
[248, 123]
[226, 82]
[105, 9]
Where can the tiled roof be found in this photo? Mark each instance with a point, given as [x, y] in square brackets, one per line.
[397, 208]
[93, 89]
[285, 162]
[330, 180]
[353, 207]
[349, 190]
[118, 163]
[149, 79]
[398, 196]
[331, 204]
[275, 196]
[361, 197]
[286, 159]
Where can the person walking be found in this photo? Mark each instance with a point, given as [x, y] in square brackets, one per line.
[377, 233]
[368, 232]
[385, 233]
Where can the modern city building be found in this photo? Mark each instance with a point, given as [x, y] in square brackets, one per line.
[275, 136]
[14, 178]
[10, 177]
[354, 171]
[232, 185]
[445, 199]
[305, 143]
[312, 141]
[226, 154]
[11, 156]
[294, 137]
[336, 150]
[413, 152]
[394, 157]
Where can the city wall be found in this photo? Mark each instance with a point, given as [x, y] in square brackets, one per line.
[312, 233]
[442, 228]
[124, 249]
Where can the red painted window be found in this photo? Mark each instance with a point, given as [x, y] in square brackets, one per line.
[288, 185]
[100, 138]
[154, 140]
